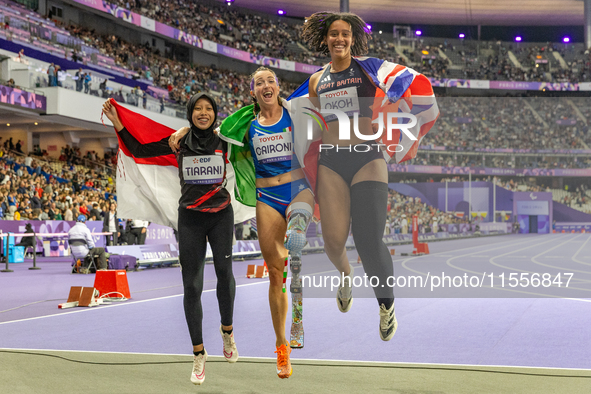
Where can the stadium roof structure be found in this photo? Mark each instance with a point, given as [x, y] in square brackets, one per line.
[439, 12]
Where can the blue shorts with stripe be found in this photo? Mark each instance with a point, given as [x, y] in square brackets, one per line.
[279, 197]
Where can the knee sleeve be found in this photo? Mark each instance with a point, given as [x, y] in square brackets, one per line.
[298, 217]
[369, 202]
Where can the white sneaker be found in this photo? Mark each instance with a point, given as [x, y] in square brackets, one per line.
[345, 293]
[388, 323]
[230, 350]
[198, 374]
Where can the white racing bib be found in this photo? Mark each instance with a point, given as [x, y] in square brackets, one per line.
[203, 170]
[271, 148]
[345, 100]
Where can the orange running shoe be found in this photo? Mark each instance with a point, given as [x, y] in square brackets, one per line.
[284, 369]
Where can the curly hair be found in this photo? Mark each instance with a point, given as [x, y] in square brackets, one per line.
[257, 108]
[316, 29]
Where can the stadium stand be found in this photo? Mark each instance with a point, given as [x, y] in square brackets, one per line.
[267, 35]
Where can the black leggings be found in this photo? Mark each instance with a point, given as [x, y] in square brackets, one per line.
[369, 200]
[195, 229]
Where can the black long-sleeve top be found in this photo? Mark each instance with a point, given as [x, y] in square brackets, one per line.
[202, 175]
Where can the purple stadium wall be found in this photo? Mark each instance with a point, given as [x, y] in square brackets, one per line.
[563, 213]
[482, 199]
[458, 195]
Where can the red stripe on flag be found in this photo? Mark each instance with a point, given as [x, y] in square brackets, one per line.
[311, 164]
[426, 127]
[396, 70]
[144, 130]
[421, 86]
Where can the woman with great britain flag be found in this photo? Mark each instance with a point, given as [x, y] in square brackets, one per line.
[204, 209]
[352, 185]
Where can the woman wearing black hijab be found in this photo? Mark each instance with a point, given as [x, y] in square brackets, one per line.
[205, 213]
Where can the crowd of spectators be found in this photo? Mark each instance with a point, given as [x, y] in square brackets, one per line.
[576, 197]
[536, 57]
[180, 79]
[247, 31]
[511, 123]
[70, 156]
[489, 62]
[402, 208]
[430, 158]
[268, 35]
[32, 189]
[512, 184]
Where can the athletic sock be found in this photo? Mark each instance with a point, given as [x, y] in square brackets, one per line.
[228, 331]
[199, 352]
[386, 301]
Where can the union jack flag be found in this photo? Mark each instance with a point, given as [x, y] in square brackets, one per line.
[403, 90]
[412, 92]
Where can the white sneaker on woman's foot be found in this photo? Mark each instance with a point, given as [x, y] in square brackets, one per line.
[198, 374]
[230, 350]
[345, 293]
[388, 323]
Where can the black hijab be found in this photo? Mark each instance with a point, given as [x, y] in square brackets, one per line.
[198, 140]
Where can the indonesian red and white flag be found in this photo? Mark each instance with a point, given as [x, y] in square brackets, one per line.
[149, 188]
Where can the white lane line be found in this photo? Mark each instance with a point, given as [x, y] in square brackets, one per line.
[403, 262]
[495, 247]
[103, 307]
[533, 259]
[448, 261]
[151, 299]
[273, 359]
[491, 260]
[578, 251]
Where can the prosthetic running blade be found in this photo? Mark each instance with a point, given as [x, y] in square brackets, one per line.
[297, 323]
